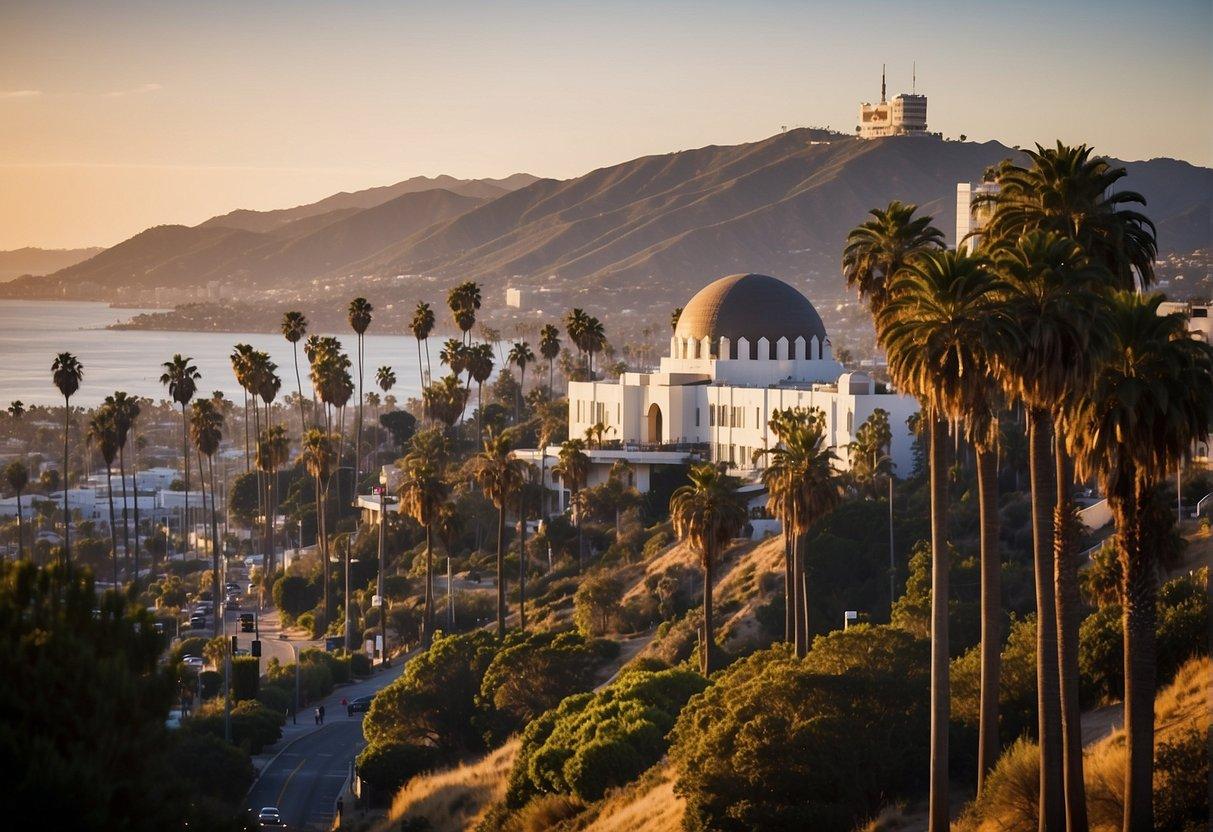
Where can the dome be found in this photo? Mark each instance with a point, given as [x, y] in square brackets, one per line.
[749, 306]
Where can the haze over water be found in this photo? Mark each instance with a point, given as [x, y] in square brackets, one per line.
[33, 332]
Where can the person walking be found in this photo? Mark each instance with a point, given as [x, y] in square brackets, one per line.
[316, 715]
[321, 714]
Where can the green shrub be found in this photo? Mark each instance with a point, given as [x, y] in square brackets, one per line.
[1181, 783]
[277, 697]
[360, 664]
[210, 682]
[254, 726]
[592, 742]
[389, 766]
[822, 743]
[246, 677]
[194, 646]
[597, 604]
[295, 595]
[212, 768]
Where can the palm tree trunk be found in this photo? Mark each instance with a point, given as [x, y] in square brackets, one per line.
[799, 619]
[522, 559]
[185, 454]
[1048, 704]
[1138, 593]
[705, 656]
[427, 634]
[126, 529]
[1065, 576]
[135, 488]
[501, 569]
[321, 541]
[247, 455]
[299, 387]
[20, 529]
[988, 746]
[789, 625]
[109, 488]
[216, 585]
[358, 435]
[67, 515]
[940, 692]
[551, 377]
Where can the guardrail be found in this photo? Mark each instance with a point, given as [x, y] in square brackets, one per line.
[1201, 503]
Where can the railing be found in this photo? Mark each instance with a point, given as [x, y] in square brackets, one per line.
[1200, 504]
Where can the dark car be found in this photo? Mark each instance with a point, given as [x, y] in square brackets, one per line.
[198, 621]
[248, 623]
[360, 705]
[269, 816]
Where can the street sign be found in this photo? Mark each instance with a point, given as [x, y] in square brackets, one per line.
[377, 490]
[376, 600]
[849, 617]
[255, 650]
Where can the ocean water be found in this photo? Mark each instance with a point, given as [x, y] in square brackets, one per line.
[33, 332]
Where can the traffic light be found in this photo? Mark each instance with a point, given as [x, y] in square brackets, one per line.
[235, 644]
[256, 649]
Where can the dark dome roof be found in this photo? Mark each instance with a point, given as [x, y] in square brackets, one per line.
[749, 306]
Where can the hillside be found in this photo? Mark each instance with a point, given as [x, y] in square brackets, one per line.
[659, 224]
[40, 261]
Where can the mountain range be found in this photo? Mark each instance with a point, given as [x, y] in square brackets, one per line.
[663, 225]
[40, 261]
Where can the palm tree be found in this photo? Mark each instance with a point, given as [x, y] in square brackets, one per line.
[941, 322]
[67, 372]
[125, 410]
[206, 429]
[480, 366]
[500, 477]
[573, 467]
[294, 327]
[17, 477]
[463, 301]
[804, 487]
[880, 248]
[385, 377]
[423, 492]
[1052, 292]
[575, 323]
[1147, 404]
[675, 317]
[103, 433]
[549, 348]
[241, 358]
[520, 356]
[707, 513]
[273, 451]
[445, 400]
[16, 409]
[181, 377]
[421, 325]
[317, 456]
[360, 320]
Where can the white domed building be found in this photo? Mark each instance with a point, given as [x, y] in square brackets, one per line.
[745, 345]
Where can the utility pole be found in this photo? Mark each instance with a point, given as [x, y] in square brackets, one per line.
[450, 603]
[349, 646]
[382, 568]
[892, 561]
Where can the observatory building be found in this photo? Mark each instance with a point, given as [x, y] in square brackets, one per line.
[905, 115]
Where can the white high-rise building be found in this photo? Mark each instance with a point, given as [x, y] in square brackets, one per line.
[971, 215]
[905, 115]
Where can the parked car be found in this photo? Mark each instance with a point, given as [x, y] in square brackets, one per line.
[233, 603]
[360, 705]
[198, 621]
[195, 662]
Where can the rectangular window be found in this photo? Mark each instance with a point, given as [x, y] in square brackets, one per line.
[696, 417]
[757, 417]
[711, 415]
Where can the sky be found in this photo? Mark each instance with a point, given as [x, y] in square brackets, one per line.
[115, 116]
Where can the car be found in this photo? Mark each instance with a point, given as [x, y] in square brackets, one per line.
[359, 706]
[194, 662]
[241, 651]
[233, 603]
[198, 622]
[269, 816]
[231, 587]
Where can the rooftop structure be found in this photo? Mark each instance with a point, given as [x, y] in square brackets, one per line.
[905, 115]
[971, 215]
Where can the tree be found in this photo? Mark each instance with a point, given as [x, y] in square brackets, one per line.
[675, 317]
[707, 513]
[422, 493]
[294, 327]
[102, 433]
[445, 400]
[360, 310]
[573, 467]
[421, 325]
[241, 368]
[520, 356]
[400, 424]
[126, 410]
[181, 378]
[500, 477]
[206, 429]
[16, 476]
[549, 348]
[940, 325]
[67, 372]
[317, 455]
[597, 601]
[1148, 403]
[1052, 293]
[880, 248]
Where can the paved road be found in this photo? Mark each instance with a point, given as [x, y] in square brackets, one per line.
[304, 781]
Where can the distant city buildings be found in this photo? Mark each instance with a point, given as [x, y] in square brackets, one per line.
[905, 115]
[971, 214]
[513, 297]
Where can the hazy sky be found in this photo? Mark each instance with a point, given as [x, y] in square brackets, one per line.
[115, 116]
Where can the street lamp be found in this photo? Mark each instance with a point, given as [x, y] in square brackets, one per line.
[381, 490]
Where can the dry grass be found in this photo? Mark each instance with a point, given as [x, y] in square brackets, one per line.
[647, 805]
[455, 799]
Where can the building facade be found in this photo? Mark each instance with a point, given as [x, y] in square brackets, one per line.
[971, 213]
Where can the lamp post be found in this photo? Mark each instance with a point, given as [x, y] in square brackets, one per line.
[381, 490]
[347, 631]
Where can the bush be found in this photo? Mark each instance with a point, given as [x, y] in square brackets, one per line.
[597, 604]
[277, 697]
[360, 664]
[548, 811]
[1016, 685]
[1181, 783]
[210, 683]
[592, 742]
[254, 726]
[194, 646]
[389, 766]
[212, 768]
[295, 595]
[781, 744]
[246, 677]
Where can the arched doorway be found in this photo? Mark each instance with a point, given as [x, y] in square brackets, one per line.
[654, 428]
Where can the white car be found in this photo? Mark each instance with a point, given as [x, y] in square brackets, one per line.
[194, 662]
[269, 816]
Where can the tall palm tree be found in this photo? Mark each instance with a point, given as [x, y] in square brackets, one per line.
[520, 356]
[804, 487]
[575, 323]
[445, 400]
[549, 348]
[126, 410]
[481, 368]
[500, 477]
[294, 327]
[360, 310]
[573, 467]
[1148, 403]
[316, 454]
[423, 492]
[206, 429]
[16, 409]
[1053, 293]
[273, 451]
[385, 377]
[707, 513]
[941, 322]
[17, 477]
[67, 372]
[881, 247]
[103, 433]
[181, 377]
[241, 359]
[421, 325]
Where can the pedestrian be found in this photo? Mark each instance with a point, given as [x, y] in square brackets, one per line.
[321, 714]
[340, 809]
[316, 714]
